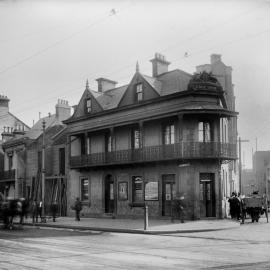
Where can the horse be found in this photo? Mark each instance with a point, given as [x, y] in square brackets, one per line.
[12, 208]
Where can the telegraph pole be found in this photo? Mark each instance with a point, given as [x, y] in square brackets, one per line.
[43, 169]
[240, 163]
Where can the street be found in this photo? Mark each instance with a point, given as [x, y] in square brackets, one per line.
[246, 247]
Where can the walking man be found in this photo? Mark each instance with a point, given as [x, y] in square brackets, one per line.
[77, 208]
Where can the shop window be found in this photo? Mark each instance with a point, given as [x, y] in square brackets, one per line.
[169, 134]
[84, 189]
[204, 132]
[139, 92]
[137, 188]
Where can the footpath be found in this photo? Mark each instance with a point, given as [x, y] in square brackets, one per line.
[155, 226]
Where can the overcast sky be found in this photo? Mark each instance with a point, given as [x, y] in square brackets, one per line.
[49, 48]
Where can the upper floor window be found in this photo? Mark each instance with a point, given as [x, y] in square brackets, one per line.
[204, 132]
[169, 134]
[136, 138]
[88, 105]
[108, 145]
[139, 92]
[88, 145]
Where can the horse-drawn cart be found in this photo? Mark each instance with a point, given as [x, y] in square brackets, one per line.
[254, 206]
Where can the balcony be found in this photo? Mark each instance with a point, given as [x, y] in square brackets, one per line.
[7, 175]
[182, 151]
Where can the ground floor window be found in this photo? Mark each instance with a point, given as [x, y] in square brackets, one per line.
[137, 188]
[84, 189]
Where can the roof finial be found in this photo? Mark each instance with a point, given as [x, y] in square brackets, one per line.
[87, 85]
[137, 67]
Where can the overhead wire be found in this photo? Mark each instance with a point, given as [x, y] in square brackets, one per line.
[75, 33]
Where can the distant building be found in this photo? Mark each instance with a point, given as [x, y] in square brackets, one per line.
[10, 125]
[261, 165]
[23, 159]
[158, 136]
[249, 184]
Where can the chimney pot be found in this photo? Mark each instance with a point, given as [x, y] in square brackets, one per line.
[215, 58]
[159, 64]
[105, 84]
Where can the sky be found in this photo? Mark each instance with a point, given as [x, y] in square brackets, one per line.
[49, 48]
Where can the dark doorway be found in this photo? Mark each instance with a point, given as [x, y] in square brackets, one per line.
[168, 193]
[207, 195]
[109, 194]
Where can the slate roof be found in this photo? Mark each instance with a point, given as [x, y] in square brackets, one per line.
[36, 130]
[164, 84]
[111, 98]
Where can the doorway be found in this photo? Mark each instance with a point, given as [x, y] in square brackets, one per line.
[207, 195]
[168, 193]
[109, 194]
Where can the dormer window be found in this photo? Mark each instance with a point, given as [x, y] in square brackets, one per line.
[139, 92]
[88, 105]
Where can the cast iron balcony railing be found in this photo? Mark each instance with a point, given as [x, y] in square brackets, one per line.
[182, 150]
[7, 175]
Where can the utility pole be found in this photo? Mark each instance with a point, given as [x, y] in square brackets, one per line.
[43, 169]
[240, 163]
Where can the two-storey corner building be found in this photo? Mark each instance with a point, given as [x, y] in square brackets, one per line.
[24, 155]
[10, 126]
[229, 170]
[147, 141]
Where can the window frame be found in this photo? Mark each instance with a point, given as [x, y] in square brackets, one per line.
[168, 137]
[139, 92]
[205, 131]
[88, 108]
[133, 188]
[135, 140]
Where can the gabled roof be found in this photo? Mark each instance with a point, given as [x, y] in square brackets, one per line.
[154, 82]
[36, 130]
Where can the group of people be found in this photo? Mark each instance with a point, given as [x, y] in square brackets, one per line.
[235, 203]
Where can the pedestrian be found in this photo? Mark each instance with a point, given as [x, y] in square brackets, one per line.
[179, 208]
[54, 210]
[77, 208]
[233, 205]
[40, 210]
[34, 210]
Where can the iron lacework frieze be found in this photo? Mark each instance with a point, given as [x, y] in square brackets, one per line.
[182, 150]
[204, 81]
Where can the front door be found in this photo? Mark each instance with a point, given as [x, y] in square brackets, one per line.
[168, 193]
[109, 194]
[207, 195]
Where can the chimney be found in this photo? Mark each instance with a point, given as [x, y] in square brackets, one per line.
[62, 110]
[159, 64]
[4, 104]
[215, 58]
[105, 84]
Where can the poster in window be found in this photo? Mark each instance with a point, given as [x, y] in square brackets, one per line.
[151, 191]
[123, 191]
